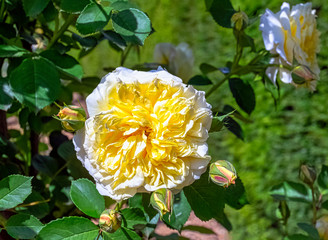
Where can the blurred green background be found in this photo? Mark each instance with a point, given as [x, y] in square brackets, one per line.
[279, 139]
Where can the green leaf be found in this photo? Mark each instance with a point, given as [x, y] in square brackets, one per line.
[132, 217]
[64, 62]
[243, 94]
[34, 7]
[122, 234]
[5, 95]
[221, 11]
[76, 170]
[132, 24]
[325, 205]
[291, 191]
[93, 18]
[121, 5]
[73, 6]
[87, 42]
[115, 40]
[205, 198]
[297, 237]
[234, 127]
[7, 30]
[218, 122]
[323, 178]
[235, 195]
[69, 228]
[12, 51]
[199, 80]
[206, 68]
[35, 83]
[86, 197]
[223, 220]
[45, 164]
[180, 214]
[23, 226]
[199, 229]
[40, 210]
[14, 189]
[310, 230]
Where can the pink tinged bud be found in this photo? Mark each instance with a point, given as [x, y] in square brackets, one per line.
[223, 173]
[162, 201]
[302, 73]
[71, 117]
[110, 220]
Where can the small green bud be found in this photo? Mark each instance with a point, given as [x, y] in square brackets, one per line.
[162, 201]
[223, 173]
[72, 117]
[307, 174]
[239, 20]
[110, 220]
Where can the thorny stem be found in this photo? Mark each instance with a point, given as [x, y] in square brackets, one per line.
[61, 31]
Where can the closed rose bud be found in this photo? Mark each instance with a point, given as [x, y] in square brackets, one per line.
[223, 173]
[239, 20]
[307, 174]
[162, 201]
[71, 117]
[110, 220]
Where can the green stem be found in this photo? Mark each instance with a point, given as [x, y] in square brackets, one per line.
[61, 31]
[216, 86]
[119, 206]
[125, 54]
[99, 234]
[314, 207]
[2, 9]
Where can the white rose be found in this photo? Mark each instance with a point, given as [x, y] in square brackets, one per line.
[178, 59]
[292, 34]
[146, 131]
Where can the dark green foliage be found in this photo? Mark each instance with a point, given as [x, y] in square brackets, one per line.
[35, 83]
[23, 226]
[221, 11]
[69, 227]
[14, 190]
[87, 198]
[243, 93]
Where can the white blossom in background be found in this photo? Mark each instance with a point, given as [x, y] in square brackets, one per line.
[292, 35]
[178, 60]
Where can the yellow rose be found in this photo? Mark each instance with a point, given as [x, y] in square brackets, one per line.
[146, 131]
[293, 36]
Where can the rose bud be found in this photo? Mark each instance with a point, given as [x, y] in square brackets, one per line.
[223, 173]
[162, 201]
[239, 20]
[110, 220]
[307, 174]
[71, 117]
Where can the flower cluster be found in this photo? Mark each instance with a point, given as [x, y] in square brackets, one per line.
[146, 131]
[292, 36]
